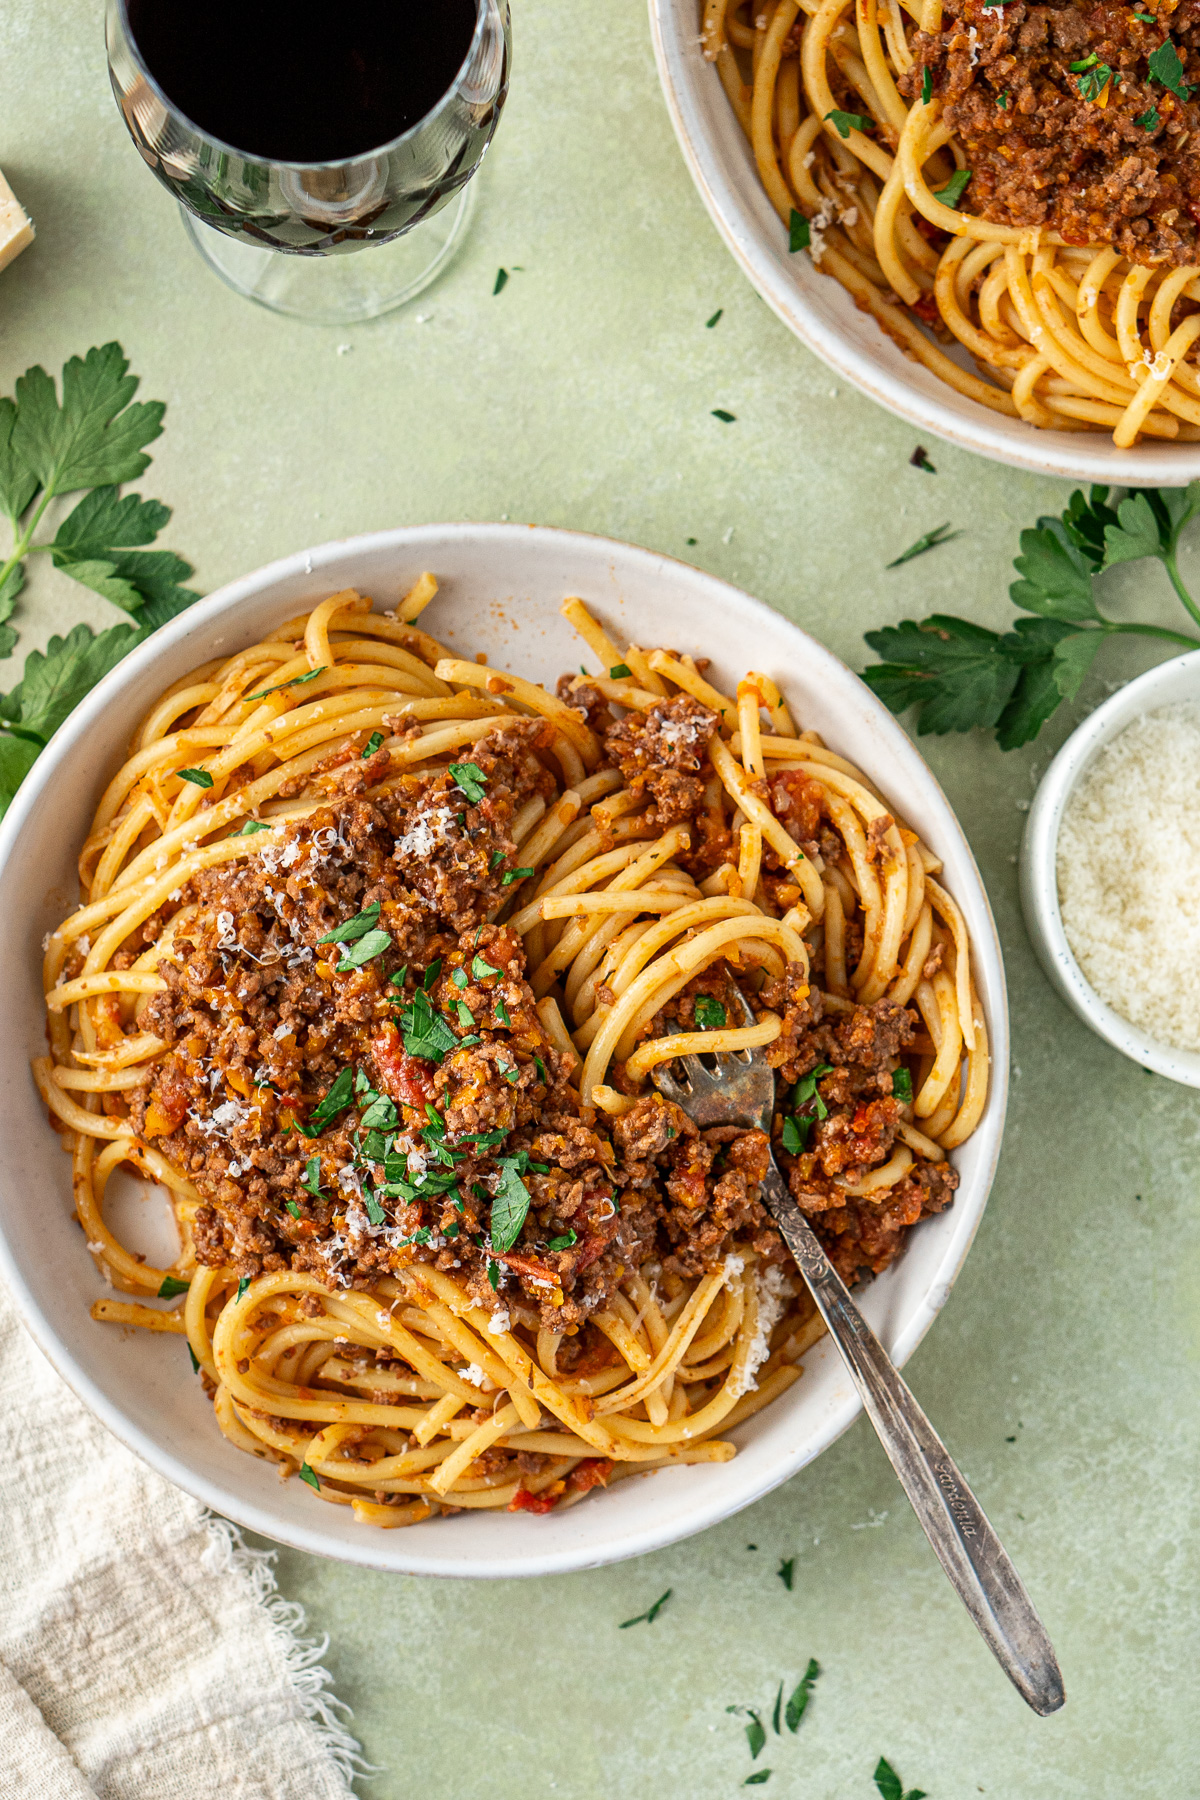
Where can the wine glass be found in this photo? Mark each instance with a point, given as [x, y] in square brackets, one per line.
[290, 234]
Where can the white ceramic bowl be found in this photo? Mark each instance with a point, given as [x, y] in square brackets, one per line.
[501, 589]
[1167, 685]
[823, 315]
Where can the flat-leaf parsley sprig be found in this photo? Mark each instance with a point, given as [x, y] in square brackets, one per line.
[91, 439]
[959, 675]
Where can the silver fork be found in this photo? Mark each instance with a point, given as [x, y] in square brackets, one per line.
[741, 1091]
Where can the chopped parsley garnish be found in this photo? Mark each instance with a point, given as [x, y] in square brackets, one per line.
[1165, 67]
[362, 1085]
[509, 1206]
[195, 1361]
[485, 1140]
[431, 974]
[565, 1241]
[799, 235]
[496, 859]
[501, 1012]
[1148, 18]
[787, 1572]
[620, 672]
[756, 1737]
[648, 1617]
[1149, 120]
[709, 323]
[846, 122]
[366, 950]
[726, 418]
[470, 778]
[465, 1015]
[920, 460]
[296, 681]
[170, 1286]
[515, 875]
[311, 1477]
[251, 826]
[926, 86]
[290, 1206]
[400, 977]
[710, 1014]
[493, 1274]
[459, 977]
[954, 189]
[198, 777]
[375, 1212]
[311, 1180]
[1093, 83]
[480, 969]
[795, 1135]
[335, 1101]
[757, 1779]
[1089, 62]
[794, 1711]
[540, 1066]
[806, 1089]
[380, 1115]
[1002, 101]
[941, 534]
[243, 1284]
[890, 1785]
[355, 928]
[501, 279]
[902, 1088]
[372, 744]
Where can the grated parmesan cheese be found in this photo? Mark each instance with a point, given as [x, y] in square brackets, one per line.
[1129, 875]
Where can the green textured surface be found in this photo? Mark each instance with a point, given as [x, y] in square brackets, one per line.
[582, 396]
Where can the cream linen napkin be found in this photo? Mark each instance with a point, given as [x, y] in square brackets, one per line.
[144, 1651]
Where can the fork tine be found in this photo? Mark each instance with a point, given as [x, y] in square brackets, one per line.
[700, 1077]
[742, 1002]
[668, 1087]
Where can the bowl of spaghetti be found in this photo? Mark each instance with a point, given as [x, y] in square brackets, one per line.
[349, 919]
[983, 215]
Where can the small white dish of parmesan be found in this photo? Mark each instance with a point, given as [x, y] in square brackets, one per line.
[1110, 870]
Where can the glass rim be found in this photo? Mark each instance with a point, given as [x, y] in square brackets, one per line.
[482, 7]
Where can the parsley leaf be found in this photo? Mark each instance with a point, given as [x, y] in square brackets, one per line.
[290, 1206]
[242, 1285]
[170, 1285]
[367, 948]
[787, 1572]
[250, 827]
[927, 80]
[710, 1014]
[357, 927]
[1165, 67]
[757, 1779]
[941, 534]
[372, 744]
[709, 323]
[620, 672]
[795, 1135]
[563, 1243]
[956, 673]
[756, 1736]
[470, 778]
[311, 1477]
[799, 232]
[648, 1617]
[726, 418]
[311, 1180]
[515, 875]
[799, 1698]
[375, 1212]
[501, 279]
[198, 777]
[1094, 82]
[296, 681]
[1149, 120]
[890, 1785]
[846, 122]
[336, 1100]
[954, 189]
[431, 974]
[510, 1205]
[501, 1012]
[93, 439]
[920, 460]
[902, 1087]
[481, 969]
[426, 1033]
[493, 1275]
[465, 1016]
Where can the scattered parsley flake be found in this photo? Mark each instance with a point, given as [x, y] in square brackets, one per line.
[459, 977]
[1149, 120]
[380, 1114]
[890, 1785]
[480, 969]
[726, 418]
[251, 826]
[920, 460]
[795, 1135]
[787, 1572]
[846, 122]
[515, 875]
[170, 1286]
[296, 681]
[431, 974]
[1002, 101]
[357, 927]
[540, 1066]
[195, 1362]
[311, 1477]
[954, 189]
[311, 1181]
[243, 1284]
[375, 1212]
[710, 1014]
[568, 1238]
[470, 778]
[1165, 67]
[902, 1087]
[501, 1012]
[498, 855]
[501, 279]
[198, 777]
[290, 1206]
[493, 1274]
[620, 672]
[709, 323]
[1093, 83]
[372, 744]
[335, 1101]
[465, 1015]
[366, 950]
[648, 1617]
[756, 1737]
[927, 84]
[757, 1779]
[509, 1206]
[798, 1701]
[941, 534]
[799, 233]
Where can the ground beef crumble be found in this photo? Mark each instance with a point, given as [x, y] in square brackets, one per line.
[348, 1115]
[1053, 144]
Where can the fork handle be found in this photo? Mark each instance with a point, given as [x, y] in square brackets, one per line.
[951, 1517]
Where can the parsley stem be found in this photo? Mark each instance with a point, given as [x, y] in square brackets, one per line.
[1159, 631]
[1172, 568]
[23, 539]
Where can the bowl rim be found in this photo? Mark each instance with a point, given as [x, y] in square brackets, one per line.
[199, 620]
[1039, 865]
[1073, 455]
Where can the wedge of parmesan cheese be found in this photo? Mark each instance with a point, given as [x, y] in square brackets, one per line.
[16, 228]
